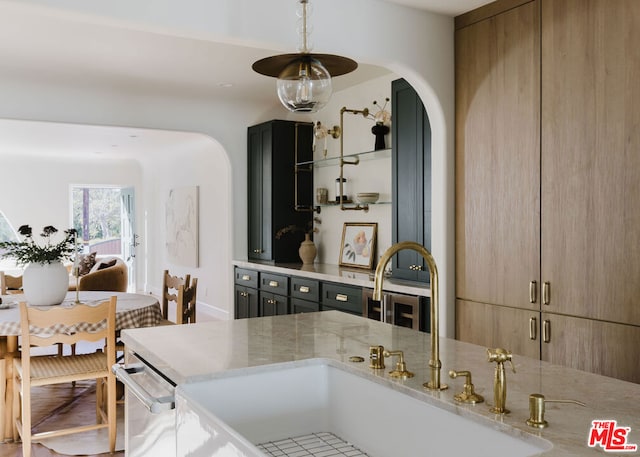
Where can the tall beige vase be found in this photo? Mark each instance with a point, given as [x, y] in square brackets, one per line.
[307, 250]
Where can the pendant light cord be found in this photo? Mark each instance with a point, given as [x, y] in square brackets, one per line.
[304, 26]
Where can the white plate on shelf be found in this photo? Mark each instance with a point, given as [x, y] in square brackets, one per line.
[8, 305]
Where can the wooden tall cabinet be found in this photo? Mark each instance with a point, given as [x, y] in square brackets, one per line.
[411, 149]
[547, 170]
[271, 188]
[498, 158]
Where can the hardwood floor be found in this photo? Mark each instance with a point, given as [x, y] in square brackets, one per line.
[54, 404]
[58, 402]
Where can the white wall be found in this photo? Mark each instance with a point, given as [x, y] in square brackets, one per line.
[36, 190]
[199, 161]
[414, 44]
[373, 174]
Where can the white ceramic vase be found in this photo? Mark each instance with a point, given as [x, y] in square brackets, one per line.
[45, 283]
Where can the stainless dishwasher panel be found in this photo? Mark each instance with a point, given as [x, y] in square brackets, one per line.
[150, 418]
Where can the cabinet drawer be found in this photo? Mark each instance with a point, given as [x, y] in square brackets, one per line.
[342, 298]
[247, 278]
[306, 289]
[303, 306]
[277, 284]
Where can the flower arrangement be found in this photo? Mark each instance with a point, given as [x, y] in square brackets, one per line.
[382, 116]
[28, 251]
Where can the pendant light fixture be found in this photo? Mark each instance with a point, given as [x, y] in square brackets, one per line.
[304, 79]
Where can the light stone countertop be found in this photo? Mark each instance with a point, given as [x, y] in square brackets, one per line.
[335, 273]
[188, 353]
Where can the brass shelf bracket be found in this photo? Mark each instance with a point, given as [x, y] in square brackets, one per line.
[297, 170]
[343, 161]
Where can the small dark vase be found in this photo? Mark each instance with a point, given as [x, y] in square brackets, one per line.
[380, 130]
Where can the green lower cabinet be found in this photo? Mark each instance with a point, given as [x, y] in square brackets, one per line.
[273, 304]
[246, 302]
[341, 298]
[303, 306]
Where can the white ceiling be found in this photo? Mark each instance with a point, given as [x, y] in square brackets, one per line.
[447, 7]
[54, 49]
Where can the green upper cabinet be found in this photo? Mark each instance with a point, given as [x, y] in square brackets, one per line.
[411, 145]
[271, 188]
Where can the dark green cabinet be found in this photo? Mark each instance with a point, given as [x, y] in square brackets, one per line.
[271, 188]
[411, 180]
[246, 302]
[273, 304]
[305, 295]
[341, 297]
[246, 293]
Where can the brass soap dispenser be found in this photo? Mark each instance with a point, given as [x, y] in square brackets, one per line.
[500, 356]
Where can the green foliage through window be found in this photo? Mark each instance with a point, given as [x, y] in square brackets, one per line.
[97, 211]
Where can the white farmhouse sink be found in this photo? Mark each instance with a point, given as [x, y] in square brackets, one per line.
[224, 416]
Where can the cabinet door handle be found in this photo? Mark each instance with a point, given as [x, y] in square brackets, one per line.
[342, 297]
[304, 290]
[246, 278]
[533, 291]
[244, 294]
[258, 251]
[546, 331]
[533, 328]
[273, 283]
[545, 293]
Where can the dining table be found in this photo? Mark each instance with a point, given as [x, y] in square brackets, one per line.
[132, 311]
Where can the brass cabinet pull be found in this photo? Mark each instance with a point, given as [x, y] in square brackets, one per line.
[533, 291]
[342, 297]
[304, 290]
[246, 278]
[415, 267]
[244, 294]
[546, 331]
[273, 283]
[545, 293]
[533, 328]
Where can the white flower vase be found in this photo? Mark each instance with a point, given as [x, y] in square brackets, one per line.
[45, 283]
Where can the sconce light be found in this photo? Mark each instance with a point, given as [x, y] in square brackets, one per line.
[320, 132]
[304, 79]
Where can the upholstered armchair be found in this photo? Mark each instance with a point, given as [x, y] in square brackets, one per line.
[109, 273]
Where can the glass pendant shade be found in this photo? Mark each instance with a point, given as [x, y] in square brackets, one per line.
[304, 85]
[304, 79]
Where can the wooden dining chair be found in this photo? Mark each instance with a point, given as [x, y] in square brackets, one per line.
[170, 285]
[10, 284]
[186, 303]
[82, 323]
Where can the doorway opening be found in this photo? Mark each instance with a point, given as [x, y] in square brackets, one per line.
[104, 219]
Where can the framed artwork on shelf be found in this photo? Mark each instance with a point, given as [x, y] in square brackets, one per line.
[358, 247]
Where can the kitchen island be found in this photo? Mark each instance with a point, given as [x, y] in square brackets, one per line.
[197, 352]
